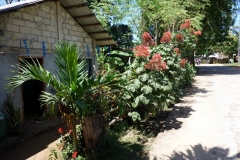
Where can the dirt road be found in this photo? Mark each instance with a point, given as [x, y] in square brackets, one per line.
[205, 125]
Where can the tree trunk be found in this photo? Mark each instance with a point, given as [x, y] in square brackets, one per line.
[92, 129]
[74, 134]
[191, 59]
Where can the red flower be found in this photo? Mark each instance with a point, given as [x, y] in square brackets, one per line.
[74, 155]
[156, 58]
[60, 130]
[186, 24]
[70, 131]
[179, 37]
[142, 51]
[156, 63]
[147, 39]
[164, 65]
[177, 50]
[60, 146]
[182, 63]
[166, 38]
[198, 33]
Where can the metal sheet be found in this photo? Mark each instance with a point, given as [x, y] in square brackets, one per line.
[90, 20]
[66, 3]
[80, 11]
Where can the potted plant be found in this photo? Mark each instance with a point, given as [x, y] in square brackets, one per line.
[13, 115]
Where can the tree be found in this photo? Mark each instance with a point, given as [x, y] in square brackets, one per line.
[122, 34]
[73, 90]
[70, 84]
[216, 23]
[160, 16]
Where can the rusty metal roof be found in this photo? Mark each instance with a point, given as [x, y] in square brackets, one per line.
[82, 14]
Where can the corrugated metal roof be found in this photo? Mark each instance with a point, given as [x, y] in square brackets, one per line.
[86, 18]
[80, 12]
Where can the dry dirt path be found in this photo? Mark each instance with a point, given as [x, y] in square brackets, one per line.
[205, 125]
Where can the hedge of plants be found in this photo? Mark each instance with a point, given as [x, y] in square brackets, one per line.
[151, 82]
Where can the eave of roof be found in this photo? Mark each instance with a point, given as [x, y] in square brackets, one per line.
[82, 14]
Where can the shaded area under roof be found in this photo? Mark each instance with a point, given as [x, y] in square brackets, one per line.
[82, 14]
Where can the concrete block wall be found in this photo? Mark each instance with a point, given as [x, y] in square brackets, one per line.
[72, 31]
[36, 24]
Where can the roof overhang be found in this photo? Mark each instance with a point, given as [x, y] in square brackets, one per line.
[81, 13]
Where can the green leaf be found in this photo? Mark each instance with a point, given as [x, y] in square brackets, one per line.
[139, 70]
[147, 89]
[136, 84]
[144, 77]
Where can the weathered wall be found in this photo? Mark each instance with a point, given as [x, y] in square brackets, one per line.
[31, 26]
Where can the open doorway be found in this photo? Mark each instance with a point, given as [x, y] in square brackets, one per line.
[30, 94]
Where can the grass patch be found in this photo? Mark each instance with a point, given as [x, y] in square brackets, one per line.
[132, 146]
[232, 64]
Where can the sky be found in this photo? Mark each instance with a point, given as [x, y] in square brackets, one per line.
[3, 2]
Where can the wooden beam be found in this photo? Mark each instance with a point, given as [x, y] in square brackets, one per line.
[93, 24]
[75, 6]
[98, 32]
[104, 39]
[85, 16]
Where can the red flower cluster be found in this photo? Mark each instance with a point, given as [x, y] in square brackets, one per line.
[186, 24]
[166, 38]
[60, 130]
[147, 39]
[142, 51]
[70, 131]
[198, 33]
[177, 50]
[74, 155]
[156, 63]
[182, 63]
[179, 37]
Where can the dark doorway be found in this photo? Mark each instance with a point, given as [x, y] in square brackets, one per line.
[30, 94]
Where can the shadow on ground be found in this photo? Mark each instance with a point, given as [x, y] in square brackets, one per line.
[199, 152]
[192, 90]
[218, 70]
[113, 149]
[168, 120]
[32, 146]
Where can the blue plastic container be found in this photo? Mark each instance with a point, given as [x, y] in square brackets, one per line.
[3, 125]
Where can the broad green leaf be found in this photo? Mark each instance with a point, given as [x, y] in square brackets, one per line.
[144, 77]
[147, 89]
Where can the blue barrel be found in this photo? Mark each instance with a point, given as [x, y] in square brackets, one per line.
[3, 125]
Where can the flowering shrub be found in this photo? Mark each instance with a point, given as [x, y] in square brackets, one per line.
[65, 144]
[158, 73]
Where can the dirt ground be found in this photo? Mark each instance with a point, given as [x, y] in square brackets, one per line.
[35, 148]
[205, 125]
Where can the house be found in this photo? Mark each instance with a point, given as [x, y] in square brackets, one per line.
[31, 28]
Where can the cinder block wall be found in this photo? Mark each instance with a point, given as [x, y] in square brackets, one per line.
[36, 24]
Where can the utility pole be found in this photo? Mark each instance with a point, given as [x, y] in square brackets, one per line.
[238, 47]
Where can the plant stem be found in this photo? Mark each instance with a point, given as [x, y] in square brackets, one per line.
[75, 145]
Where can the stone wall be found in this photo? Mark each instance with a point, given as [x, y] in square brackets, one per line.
[29, 29]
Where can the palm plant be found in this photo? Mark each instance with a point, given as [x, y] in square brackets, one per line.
[71, 84]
